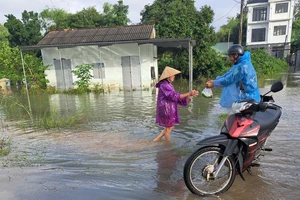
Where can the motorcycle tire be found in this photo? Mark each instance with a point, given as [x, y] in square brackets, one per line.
[197, 172]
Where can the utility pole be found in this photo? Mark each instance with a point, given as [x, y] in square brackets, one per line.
[241, 22]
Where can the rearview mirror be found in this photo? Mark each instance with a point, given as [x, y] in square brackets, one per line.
[277, 86]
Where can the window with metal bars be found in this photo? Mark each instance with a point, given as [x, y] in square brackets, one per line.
[279, 30]
[259, 14]
[258, 35]
[281, 8]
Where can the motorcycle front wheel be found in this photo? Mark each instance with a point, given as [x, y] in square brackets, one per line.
[199, 168]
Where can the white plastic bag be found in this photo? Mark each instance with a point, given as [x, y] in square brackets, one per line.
[207, 92]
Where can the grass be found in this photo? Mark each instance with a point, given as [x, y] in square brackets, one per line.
[52, 119]
[46, 119]
[4, 147]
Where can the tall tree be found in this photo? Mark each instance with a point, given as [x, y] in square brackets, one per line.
[23, 32]
[121, 12]
[32, 26]
[180, 19]
[231, 29]
[16, 30]
[4, 34]
[86, 18]
[58, 19]
[115, 15]
[54, 19]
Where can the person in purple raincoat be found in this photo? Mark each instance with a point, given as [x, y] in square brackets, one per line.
[167, 101]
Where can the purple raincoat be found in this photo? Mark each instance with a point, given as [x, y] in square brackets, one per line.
[167, 100]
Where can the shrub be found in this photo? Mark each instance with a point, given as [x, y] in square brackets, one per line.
[267, 65]
[84, 76]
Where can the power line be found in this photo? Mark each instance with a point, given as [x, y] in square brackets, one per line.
[225, 14]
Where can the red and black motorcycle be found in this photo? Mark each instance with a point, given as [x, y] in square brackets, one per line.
[212, 168]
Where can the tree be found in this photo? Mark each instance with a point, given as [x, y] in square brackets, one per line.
[58, 19]
[86, 18]
[23, 32]
[54, 19]
[180, 19]
[121, 11]
[11, 66]
[295, 40]
[10, 60]
[115, 15]
[32, 28]
[4, 34]
[231, 30]
[226, 30]
[15, 29]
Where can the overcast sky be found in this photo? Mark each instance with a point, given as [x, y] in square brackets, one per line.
[222, 8]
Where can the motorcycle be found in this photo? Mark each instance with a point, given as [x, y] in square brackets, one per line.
[211, 169]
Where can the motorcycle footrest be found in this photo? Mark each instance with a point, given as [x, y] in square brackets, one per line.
[267, 149]
[254, 165]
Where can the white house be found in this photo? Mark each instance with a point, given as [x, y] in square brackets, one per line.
[118, 61]
[270, 25]
[123, 57]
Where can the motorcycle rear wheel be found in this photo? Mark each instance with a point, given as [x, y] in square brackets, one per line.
[197, 172]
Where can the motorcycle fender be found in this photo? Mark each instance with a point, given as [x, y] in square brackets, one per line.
[215, 141]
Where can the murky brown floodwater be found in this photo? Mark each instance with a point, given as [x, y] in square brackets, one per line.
[112, 156]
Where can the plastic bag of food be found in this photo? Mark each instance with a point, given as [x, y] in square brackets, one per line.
[207, 92]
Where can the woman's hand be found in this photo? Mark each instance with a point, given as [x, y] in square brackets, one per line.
[194, 93]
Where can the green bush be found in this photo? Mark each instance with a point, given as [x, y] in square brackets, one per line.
[267, 65]
[84, 77]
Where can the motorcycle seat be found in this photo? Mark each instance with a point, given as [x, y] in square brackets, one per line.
[267, 118]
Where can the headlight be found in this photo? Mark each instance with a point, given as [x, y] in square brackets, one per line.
[238, 107]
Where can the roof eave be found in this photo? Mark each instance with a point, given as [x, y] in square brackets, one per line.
[179, 43]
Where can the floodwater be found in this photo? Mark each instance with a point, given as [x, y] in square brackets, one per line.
[110, 154]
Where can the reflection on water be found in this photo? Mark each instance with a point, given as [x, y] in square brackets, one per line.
[112, 155]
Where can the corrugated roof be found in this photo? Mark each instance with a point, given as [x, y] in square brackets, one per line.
[104, 34]
[161, 42]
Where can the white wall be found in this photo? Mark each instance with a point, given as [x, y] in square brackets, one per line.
[279, 16]
[109, 55]
[256, 26]
[279, 38]
[250, 12]
[273, 19]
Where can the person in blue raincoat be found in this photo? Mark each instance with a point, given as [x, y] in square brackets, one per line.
[240, 82]
[167, 101]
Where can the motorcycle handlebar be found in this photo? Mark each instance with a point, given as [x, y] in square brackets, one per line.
[272, 107]
[263, 106]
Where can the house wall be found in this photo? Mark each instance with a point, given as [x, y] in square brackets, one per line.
[273, 19]
[110, 56]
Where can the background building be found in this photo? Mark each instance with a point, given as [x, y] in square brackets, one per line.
[270, 25]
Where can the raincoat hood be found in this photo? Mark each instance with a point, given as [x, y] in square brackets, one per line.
[245, 57]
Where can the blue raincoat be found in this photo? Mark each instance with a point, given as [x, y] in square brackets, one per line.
[167, 101]
[243, 71]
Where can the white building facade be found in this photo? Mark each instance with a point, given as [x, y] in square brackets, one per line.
[119, 66]
[269, 25]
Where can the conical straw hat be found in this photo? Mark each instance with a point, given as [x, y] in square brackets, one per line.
[168, 71]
